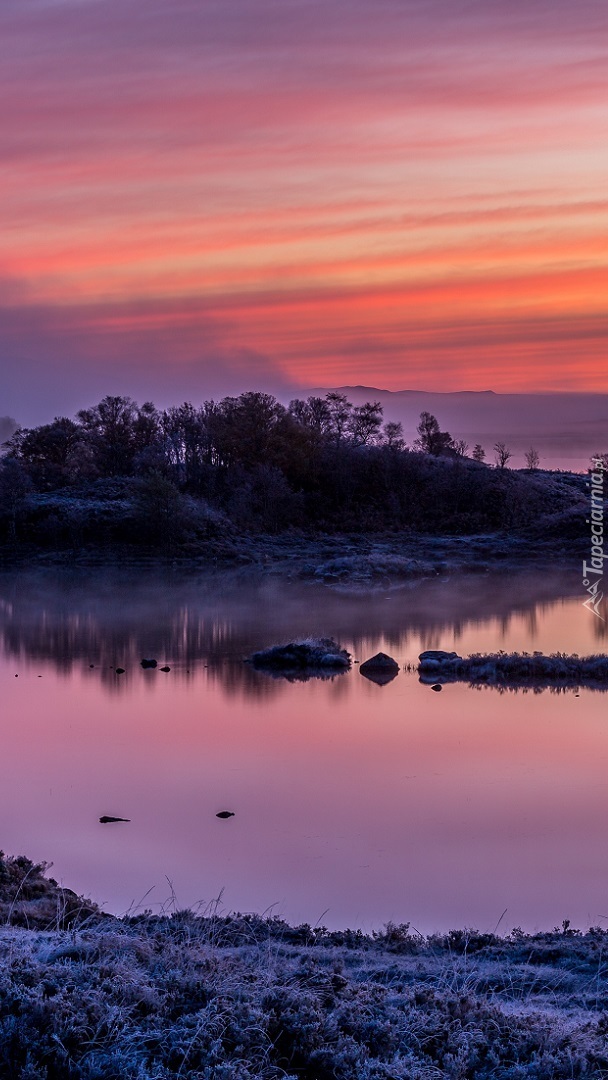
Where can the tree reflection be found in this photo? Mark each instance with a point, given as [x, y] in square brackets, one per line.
[93, 621]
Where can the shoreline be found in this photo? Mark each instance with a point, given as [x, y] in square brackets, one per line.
[88, 996]
[368, 561]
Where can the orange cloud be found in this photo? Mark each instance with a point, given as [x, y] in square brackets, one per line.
[372, 191]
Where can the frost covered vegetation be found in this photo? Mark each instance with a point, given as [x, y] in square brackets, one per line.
[518, 669]
[316, 655]
[195, 479]
[92, 997]
[374, 567]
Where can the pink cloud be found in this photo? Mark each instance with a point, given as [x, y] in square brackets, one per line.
[296, 187]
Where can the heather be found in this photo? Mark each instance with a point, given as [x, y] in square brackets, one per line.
[149, 997]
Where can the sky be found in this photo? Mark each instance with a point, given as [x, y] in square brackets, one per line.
[203, 196]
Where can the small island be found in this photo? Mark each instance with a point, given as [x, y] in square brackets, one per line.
[310, 656]
[320, 490]
[515, 670]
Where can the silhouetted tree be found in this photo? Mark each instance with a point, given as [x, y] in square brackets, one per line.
[366, 423]
[460, 447]
[52, 454]
[393, 435]
[502, 454]
[532, 459]
[340, 415]
[479, 453]
[431, 440]
[187, 442]
[109, 428]
[251, 429]
[336, 418]
[314, 413]
[14, 487]
[146, 428]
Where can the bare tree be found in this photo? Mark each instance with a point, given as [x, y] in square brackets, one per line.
[502, 454]
[393, 435]
[340, 415]
[532, 459]
[460, 447]
[479, 453]
[314, 413]
[366, 422]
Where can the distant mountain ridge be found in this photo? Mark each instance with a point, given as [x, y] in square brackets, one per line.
[398, 393]
[565, 428]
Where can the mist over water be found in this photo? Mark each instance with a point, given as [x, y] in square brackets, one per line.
[365, 802]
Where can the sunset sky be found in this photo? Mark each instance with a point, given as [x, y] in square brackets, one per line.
[202, 197]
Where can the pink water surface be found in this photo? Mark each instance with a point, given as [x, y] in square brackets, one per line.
[354, 804]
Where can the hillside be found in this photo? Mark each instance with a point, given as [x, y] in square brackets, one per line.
[565, 428]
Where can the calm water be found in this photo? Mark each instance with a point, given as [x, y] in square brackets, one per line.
[354, 803]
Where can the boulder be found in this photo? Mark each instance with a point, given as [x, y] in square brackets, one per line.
[438, 654]
[380, 662]
[380, 668]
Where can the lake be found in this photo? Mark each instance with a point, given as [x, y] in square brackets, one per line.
[354, 803]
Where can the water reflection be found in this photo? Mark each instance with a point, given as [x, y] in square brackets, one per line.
[94, 622]
[532, 686]
[375, 801]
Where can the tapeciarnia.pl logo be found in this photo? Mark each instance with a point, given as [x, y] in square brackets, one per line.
[593, 571]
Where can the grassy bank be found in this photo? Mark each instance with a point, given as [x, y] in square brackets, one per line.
[344, 561]
[86, 995]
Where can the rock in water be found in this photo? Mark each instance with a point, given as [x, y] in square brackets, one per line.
[437, 686]
[120, 670]
[380, 662]
[435, 660]
[310, 654]
[165, 668]
[438, 654]
[225, 814]
[149, 663]
[380, 668]
[107, 820]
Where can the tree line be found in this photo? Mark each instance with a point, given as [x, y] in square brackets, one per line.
[251, 463]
